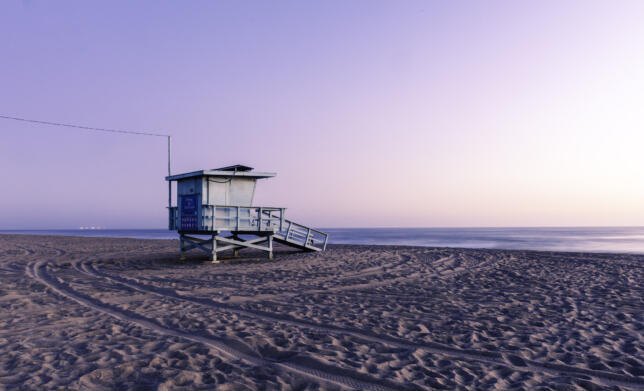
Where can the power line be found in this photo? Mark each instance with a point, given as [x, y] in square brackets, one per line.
[35, 121]
[83, 127]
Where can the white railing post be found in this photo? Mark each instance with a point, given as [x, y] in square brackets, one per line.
[288, 231]
[308, 236]
[237, 218]
[259, 221]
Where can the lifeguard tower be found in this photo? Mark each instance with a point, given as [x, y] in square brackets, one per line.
[218, 204]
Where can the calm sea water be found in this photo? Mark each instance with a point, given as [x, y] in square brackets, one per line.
[587, 239]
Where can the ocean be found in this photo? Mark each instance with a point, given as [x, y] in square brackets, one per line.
[583, 239]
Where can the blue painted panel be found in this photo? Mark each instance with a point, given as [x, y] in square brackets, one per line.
[189, 210]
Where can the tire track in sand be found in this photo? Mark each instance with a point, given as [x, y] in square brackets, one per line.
[342, 288]
[315, 370]
[9, 254]
[355, 289]
[510, 360]
[403, 259]
[435, 272]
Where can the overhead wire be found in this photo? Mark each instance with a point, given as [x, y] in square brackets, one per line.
[83, 127]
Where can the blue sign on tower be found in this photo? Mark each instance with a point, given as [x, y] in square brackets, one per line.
[189, 209]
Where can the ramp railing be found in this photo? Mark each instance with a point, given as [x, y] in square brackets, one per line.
[301, 235]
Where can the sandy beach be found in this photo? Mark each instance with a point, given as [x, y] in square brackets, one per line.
[100, 313]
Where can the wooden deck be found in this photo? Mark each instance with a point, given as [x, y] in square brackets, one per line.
[224, 225]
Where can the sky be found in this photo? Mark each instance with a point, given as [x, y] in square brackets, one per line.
[372, 113]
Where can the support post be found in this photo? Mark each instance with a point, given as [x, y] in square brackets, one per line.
[183, 257]
[214, 249]
[235, 237]
[270, 246]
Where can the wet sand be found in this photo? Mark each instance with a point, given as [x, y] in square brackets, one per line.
[100, 313]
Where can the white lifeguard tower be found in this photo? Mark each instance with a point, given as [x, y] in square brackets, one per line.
[215, 202]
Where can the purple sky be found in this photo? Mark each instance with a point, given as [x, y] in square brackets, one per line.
[373, 113]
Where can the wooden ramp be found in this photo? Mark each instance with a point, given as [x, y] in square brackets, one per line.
[301, 237]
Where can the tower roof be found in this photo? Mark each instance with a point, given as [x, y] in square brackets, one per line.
[236, 167]
[237, 170]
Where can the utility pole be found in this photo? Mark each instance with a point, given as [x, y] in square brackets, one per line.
[169, 182]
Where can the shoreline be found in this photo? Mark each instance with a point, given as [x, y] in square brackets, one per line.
[411, 246]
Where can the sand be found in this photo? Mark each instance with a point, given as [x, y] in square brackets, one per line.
[99, 313]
